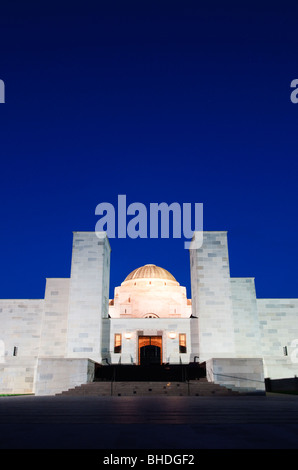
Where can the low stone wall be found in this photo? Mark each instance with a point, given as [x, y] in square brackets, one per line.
[17, 375]
[58, 374]
[279, 367]
[243, 375]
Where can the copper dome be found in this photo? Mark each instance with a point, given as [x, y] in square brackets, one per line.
[150, 271]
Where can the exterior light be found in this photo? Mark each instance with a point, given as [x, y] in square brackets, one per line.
[128, 335]
[172, 335]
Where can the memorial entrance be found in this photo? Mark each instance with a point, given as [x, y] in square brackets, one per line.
[150, 350]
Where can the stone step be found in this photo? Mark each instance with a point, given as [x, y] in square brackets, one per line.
[193, 388]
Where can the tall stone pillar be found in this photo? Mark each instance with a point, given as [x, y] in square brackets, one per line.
[211, 297]
[89, 294]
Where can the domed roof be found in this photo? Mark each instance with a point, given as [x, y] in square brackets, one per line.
[150, 271]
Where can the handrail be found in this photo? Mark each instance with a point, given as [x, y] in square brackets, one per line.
[234, 377]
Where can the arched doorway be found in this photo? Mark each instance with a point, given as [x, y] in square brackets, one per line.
[150, 350]
[149, 355]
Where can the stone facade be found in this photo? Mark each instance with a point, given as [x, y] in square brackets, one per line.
[89, 294]
[212, 297]
[278, 320]
[20, 326]
[51, 376]
[168, 330]
[237, 374]
[247, 333]
[51, 344]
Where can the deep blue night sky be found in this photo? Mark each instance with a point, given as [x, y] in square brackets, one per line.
[164, 101]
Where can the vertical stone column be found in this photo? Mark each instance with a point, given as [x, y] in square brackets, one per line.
[89, 294]
[211, 296]
[54, 322]
[246, 320]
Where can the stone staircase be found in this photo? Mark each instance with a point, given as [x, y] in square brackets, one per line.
[192, 388]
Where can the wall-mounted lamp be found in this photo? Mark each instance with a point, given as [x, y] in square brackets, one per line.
[128, 335]
[172, 335]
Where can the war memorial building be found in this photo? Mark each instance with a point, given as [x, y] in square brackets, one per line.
[53, 344]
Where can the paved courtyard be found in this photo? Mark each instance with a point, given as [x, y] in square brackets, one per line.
[251, 422]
